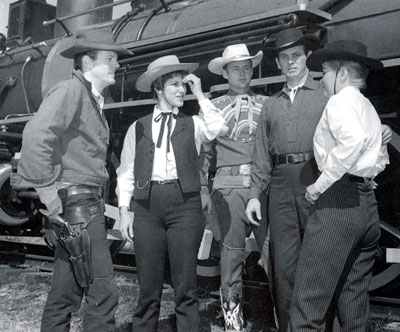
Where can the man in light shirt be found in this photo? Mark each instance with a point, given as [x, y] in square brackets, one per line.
[63, 157]
[283, 160]
[342, 232]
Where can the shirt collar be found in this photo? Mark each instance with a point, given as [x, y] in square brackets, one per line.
[157, 111]
[309, 83]
[98, 96]
[349, 89]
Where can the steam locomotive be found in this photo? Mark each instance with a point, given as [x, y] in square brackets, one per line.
[196, 31]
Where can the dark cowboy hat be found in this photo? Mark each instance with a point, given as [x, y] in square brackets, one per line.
[159, 67]
[92, 40]
[293, 37]
[347, 50]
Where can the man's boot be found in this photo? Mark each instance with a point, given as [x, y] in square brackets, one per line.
[231, 303]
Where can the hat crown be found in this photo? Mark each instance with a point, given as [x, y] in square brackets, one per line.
[167, 60]
[287, 37]
[95, 36]
[235, 51]
[351, 46]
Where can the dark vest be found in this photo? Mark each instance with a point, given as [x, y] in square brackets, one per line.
[186, 157]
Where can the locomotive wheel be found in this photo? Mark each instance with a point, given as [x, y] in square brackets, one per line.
[385, 274]
[12, 211]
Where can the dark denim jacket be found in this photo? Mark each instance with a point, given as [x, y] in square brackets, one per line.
[66, 140]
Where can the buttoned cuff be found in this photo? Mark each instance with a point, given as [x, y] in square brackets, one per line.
[322, 183]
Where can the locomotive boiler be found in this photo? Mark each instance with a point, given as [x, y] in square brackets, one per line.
[196, 31]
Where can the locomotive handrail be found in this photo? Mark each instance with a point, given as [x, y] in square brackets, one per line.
[17, 120]
[256, 24]
[152, 13]
[256, 82]
[142, 102]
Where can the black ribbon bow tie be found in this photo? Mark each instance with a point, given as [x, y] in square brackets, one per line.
[164, 116]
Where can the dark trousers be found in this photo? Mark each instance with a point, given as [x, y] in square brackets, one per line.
[168, 224]
[336, 259]
[288, 213]
[66, 295]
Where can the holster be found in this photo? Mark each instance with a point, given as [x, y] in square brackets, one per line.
[79, 250]
[75, 239]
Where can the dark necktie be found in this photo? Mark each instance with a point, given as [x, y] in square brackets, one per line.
[164, 116]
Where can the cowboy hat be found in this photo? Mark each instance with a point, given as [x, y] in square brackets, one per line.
[232, 53]
[293, 37]
[159, 67]
[347, 50]
[92, 40]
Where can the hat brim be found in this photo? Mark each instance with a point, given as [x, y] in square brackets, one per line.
[216, 65]
[309, 40]
[316, 59]
[143, 83]
[76, 49]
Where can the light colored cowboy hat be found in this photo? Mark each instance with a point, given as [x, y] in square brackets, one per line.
[347, 50]
[293, 37]
[159, 67]
[92, 40]
[233, 53]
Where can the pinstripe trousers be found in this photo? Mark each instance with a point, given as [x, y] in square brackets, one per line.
[336, 258]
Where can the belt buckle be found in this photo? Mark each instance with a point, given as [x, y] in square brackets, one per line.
[245, 169]
[290, 158]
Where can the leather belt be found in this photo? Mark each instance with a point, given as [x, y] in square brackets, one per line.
[293, 158]
[355, 178]
[164, 181]
[81, 189]
[83, 214]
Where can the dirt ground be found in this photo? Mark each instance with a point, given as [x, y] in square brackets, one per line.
[23, 293]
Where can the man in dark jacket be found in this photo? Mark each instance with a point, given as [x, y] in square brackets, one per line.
[63, 157]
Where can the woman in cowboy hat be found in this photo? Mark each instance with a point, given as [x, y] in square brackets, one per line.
[159, 169]
[337, 255]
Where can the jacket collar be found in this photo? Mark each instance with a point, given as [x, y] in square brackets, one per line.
[79, 75]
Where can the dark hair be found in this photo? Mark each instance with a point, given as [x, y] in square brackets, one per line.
[78, 58]
[158, 84]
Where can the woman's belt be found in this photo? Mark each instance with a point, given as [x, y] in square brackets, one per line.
[293, 158]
